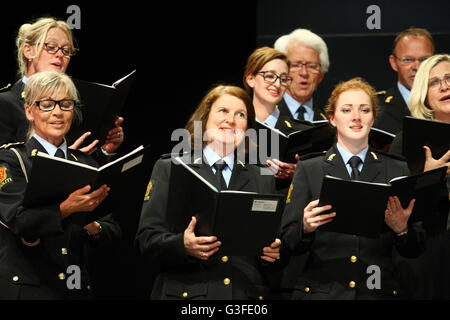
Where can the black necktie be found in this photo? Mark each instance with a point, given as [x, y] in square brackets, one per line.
[59, 153]
[301, 112]
[354, 162]
[219, 166]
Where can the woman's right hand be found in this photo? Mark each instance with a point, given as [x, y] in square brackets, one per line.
[431, 163]
[199, 247]
[82, 200]
[312, 217]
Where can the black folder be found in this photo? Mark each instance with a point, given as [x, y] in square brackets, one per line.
[380, 139]
[360, 205]
[418, 133]
[100, 106]
[320, 137]
[52, 179]
[245, 222]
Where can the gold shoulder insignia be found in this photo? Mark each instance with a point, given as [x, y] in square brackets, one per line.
[388, 99]
[379, 93]
[7, 145]
[34, 152]
[323, 116]
[330, 158]
[241, 163]
[198, 160]
[288, 123]
[374, 155]
[6, 87]
[288, 198]
[4, 177]
[147, 192]
[23, 94]
[73, 156]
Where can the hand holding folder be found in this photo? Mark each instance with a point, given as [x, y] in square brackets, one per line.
[360, 205]
[68, 176]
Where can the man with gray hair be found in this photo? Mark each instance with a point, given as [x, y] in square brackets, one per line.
[308, 56]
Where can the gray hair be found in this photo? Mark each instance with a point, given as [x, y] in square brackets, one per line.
[307, 38]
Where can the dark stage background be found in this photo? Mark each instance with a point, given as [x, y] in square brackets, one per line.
[180, 49]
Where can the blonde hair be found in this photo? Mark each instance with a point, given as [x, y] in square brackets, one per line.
[258, 59]
[34, 34]
[417, 102]
[352, 84]
[46, 84]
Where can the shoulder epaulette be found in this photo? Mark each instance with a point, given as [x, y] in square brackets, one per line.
[395, 156]
[7, 87]
[9, 145]
[312, 155]
[382, 92]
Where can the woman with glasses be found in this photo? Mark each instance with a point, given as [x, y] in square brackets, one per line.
[193, 266]
[339, 265]
[44, 45]
[42, 251]
[428, 277]
[266, 76]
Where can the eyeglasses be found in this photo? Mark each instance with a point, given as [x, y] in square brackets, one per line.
[53, 48]
[272, 77]
[410, 60]
[310, 66]
[437, 83]
[49, 105]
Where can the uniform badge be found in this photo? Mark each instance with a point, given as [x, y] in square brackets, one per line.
[374, 155]
[4, 177]
[388, 99]
[147, 192]
[288, 198]
[330, 158]
[288, 124]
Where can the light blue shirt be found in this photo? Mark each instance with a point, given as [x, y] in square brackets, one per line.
[346, 155]
[293, 105]
[212, 157]
[272, 119]
[50, 148]
[404, 91]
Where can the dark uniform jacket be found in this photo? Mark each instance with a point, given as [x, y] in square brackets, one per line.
[319, 113]
[428, 277]
[13, 122]
[337, 264]
[393, 109]
[42, 271]
[186, 277]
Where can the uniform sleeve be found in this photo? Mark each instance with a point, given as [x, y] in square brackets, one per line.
[24, 222]
[294, 242]
[154, 238]
[7, 122]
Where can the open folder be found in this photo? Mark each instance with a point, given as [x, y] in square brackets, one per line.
[100, 106]
[418, 133]
[360, 205]
[51, 180]
[245, 222]
[272, 143]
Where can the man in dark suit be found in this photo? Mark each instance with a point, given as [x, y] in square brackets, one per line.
[411, 47]
[308, 55]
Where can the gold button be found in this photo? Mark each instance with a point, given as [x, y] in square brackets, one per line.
[394, 292]
[88, 287]
[352, 284]
[184, 295]
[64, 251]
[15, 278]
[224, 259]
[353, 259]
[307, 289]
[261, 298]
[61, 276]
[226, 281]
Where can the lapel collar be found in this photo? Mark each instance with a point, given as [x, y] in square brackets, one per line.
[202, 167]
[33, 146]
[372, 166]
[334, 165]
[239, 177]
